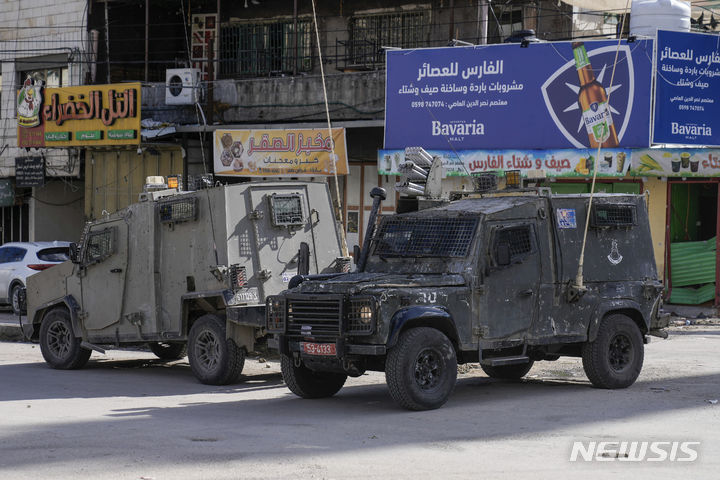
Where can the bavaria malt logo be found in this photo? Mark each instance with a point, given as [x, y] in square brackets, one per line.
[29, 101]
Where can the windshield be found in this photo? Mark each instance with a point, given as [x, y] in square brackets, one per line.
[399, 236]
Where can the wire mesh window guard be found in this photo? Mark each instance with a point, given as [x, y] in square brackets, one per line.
[424, 237]
[178, 210]
[100, 245]
[286, 210]
[267, 48]
[518, 239]
[369, 33]
[613, 215]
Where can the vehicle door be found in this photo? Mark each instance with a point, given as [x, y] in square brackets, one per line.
[11, 258]
[102, 276]
[512, 279]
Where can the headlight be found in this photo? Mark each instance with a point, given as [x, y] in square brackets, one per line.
[275, 314]
[365, 314]
[361, 316]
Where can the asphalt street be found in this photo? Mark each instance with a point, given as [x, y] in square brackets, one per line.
[128, 415]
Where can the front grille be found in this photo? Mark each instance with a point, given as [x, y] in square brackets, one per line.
[314, 315]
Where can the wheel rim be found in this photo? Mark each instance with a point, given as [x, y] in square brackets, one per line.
[15, 300]
[207, 350]
[620, 352]
[59, 339]
[428, 369]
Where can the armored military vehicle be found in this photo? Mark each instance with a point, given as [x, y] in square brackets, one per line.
[490, 279]
[184, 272]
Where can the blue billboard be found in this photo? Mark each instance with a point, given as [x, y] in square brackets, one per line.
[687, 89]
[507, 96]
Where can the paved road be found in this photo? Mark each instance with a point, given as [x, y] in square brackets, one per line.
[130, 416]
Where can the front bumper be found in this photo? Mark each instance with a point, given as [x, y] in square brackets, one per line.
[343, 348]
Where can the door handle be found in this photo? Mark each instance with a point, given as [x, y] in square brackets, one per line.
[527, 292]
[116, 270]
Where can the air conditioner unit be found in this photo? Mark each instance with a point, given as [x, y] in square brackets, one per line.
[182, 86]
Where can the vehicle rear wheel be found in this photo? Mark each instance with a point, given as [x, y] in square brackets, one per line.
[168, 350]
[214, 359]
[615, 358]
[307, 383]
[59, 347]
[508, 372]
[17, 300]
[421, 369]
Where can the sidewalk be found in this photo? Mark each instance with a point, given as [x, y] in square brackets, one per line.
[10, 329]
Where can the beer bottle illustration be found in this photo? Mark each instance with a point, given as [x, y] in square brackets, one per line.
[593, 102]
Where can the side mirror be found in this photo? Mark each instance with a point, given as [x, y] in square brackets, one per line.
[74, 253]
[502, 254]
[356, 254]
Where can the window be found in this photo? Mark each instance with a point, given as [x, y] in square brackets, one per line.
[369, 33]
[100, 245]
[613, 215]
[11, 254]
[517, 240]
[286, 210]
[509, 20]
[402, 236]
[267, 48]
[51, 77]
[55, 254]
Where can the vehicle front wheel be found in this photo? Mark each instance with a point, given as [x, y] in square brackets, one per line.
[421, 369]
[59, 347]
[615, 358]
[214, 359]
[508, 372]
[17, 300]
[168, 350]
[306, 383]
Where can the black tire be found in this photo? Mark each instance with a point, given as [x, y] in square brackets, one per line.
[214, 359]
[59, 347]
[306, 383]
[615, 358]
[508, 372]
[421, 369]
[168, 350]
[17, 301]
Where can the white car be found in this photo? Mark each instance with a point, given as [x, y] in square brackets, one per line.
[19, 260]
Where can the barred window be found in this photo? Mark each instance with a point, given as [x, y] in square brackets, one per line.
[369, 33]
[100, 245]
[175, 211]
[613, 215]
[286, 209]
[400, 236]
[518, 239]
[255, 49]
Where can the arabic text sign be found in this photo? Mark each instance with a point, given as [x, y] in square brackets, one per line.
[676, 162]
[505, 96]
[687, 103]
[82, 116]
[553, 163]
[288, 153]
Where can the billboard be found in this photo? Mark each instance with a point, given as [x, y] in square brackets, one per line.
[89, 115]
[687, 89]
[545, 96]
[289, 153]
[567, 163]
[675, 162]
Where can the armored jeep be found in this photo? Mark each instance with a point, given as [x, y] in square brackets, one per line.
[184, 272]
[490, 280]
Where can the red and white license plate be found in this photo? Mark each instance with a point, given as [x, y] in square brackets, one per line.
[319, 348]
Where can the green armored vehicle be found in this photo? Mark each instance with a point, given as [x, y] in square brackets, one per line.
[490, 280]
[184, 272]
